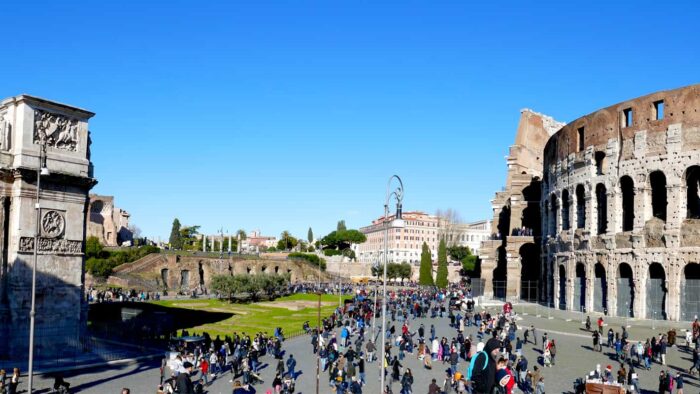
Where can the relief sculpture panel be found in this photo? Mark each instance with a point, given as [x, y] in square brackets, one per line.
[58, 131]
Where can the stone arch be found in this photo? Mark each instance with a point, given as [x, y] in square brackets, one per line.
[659, 198]
[263, 269]
[565, 210]
[248, 270]
[580, 288]
[562, 287]
[184, 280]
[656, 292]
[504, 221]
[580, 206]
[600, 289]
[599, 162]
[500, 274]
[201, 273]
[553, 208]
[529, 271]
[627, 193]
[625, 290]
[164, 273]
[277, 269]
[690, 292]
[692, 182]
[601, 198]
[531, 218]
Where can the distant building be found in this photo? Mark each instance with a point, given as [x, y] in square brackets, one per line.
[107, 222]
[471, 235]
[257, 240]
[404, 244]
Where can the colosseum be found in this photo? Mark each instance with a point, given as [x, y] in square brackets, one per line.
[619, 209]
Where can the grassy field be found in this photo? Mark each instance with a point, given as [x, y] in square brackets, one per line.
[290, 313]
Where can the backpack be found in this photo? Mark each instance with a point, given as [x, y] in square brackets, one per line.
[479, 386]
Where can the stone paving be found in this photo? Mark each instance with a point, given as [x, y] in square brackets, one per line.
[574, 359]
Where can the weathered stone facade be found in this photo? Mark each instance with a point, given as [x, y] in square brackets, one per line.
[25, 122]
[513, 254]
[107, 222]
[621, 209]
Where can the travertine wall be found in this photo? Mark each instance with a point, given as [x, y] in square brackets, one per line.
[596, 152]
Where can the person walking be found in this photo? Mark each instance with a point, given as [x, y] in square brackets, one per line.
[291, 364]
[14, 382]
[183, 382]
[539, 388]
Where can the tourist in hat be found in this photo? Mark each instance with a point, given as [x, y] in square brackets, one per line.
[183, 383]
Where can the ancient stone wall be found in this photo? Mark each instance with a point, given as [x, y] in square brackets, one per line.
[621, 209]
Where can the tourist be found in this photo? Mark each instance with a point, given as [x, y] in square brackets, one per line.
[407, 382]
[503, 377]
[433, 388]
[291, 364]
[14, 382]
[482, 369]
[539, 388]
[588, 323]
[183, 383]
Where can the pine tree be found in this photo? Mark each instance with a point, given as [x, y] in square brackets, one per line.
[175, 236]
[310, 236]
[341, 226]
[441, 278]
[426, 267]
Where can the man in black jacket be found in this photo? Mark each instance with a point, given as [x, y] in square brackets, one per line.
[483, 372]
[183, 383]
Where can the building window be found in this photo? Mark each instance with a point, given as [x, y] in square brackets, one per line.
[658, 194]
[659, 109]
[602, 204]
[579, 146]
[580, 207]
[627, 117]
[627, 190]
[599, 162]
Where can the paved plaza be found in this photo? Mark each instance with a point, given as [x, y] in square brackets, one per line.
[574, 359]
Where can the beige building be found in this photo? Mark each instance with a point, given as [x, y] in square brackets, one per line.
[471, 235]
[404, 244]
[107, 222]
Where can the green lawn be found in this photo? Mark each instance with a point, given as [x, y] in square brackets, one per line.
[290, 313]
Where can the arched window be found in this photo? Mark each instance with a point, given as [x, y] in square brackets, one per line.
[627, 191]
[565, 210]
[601, 198]
[692, 181]
[580, 207]
[657, 179]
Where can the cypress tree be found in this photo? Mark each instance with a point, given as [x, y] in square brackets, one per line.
[441, 279]
[175, 236]
[425, 277]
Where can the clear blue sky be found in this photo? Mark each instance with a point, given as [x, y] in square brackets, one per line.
[286, 115]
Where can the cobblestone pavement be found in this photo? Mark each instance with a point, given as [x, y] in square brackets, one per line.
[574, 359]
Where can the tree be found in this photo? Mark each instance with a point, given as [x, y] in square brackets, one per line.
[459, 252]
[341, 226]
[448, 226]
[175, 236]
[441, 277]
[310, 236]
[241, 234]
[343, 239]
[425, 277]
[405, 271]
[93, 248]
[286, 241]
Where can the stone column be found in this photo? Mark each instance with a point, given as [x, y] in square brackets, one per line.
[640, 294]
[588, 208]
[230, 242]
[204, 243]
[557, 283]
[487, 267]
[611, 278]
[590, 281]
[642, 204]
[570, 282]
[676, 209]
[611, 197]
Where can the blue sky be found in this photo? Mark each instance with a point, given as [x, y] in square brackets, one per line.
[285, 115]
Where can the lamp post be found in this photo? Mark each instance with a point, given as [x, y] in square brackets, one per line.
[396, 223]
[41, 170]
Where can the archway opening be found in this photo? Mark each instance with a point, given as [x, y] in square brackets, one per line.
[504, 221]
[656, 292]
[627, 191]
[500, 275]
[599, 162]
[690, 309]
[201, 275]
[692, 181]
[553, 208]
[185, 279]
[565, 203]
[580, 288]
[657, 179]
[601, 198]
[562, 287]
[164, 277]
[529, 272]
[600, 289]
[625, 291]
[580, 207]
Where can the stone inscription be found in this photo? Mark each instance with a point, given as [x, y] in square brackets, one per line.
[59, 131]
[53, 224]
[51, 245]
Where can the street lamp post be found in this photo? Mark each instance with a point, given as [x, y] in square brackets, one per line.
[41, 170]
[397, 223]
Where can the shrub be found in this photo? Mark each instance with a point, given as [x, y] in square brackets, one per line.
[332, 252]
[311, 258]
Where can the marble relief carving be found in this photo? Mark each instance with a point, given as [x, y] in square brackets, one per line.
[59, 131]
